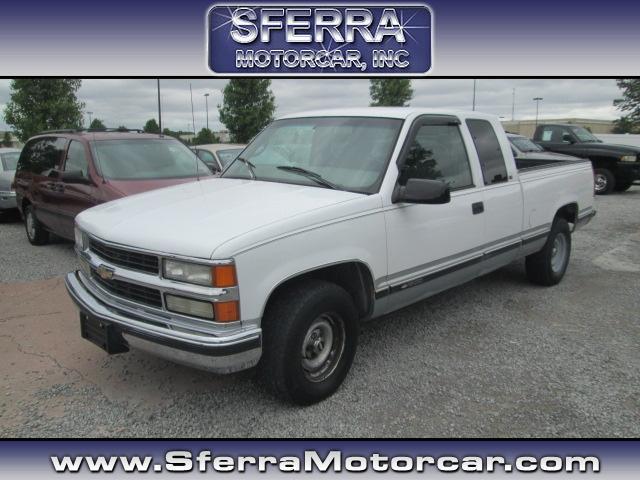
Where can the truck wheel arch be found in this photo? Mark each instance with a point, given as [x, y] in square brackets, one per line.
[354, 276]
[569, 212]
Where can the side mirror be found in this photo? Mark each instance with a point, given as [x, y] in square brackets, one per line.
[75, 176]
[419, 190]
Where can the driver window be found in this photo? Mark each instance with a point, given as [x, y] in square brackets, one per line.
[77, 159]
[438, 153]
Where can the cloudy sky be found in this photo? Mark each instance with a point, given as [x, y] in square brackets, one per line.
[132, 102]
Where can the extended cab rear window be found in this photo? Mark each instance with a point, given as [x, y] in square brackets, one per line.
[494, 169]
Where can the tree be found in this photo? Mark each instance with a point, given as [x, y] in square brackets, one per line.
[97, 124]
[122, 127]
[38, 104]
[623, 125]
[151, 126]
[390, 92]
[6, 139]
[247, 107]
[205, 136]
[630, 101]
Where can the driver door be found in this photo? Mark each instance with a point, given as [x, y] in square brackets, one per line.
[432, 247]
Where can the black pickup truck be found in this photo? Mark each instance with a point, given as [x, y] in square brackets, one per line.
[615, 167]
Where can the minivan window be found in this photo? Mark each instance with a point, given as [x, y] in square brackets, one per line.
[437, 152]
[42, 155]
[9, 160]
[77, 159]
[147, 159]
[348, 153]
[494, 170]
[227, 155]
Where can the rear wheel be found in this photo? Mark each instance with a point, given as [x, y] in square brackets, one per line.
[36, 233]
[310, 334]
[548, 266]
[603, 181]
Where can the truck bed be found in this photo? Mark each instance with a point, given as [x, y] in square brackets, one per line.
[526, 164]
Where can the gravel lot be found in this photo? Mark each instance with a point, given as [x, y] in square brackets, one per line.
[496, 357]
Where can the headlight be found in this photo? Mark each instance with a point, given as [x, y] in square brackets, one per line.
[628, 158]
[81, 239]
[187, 306]
[208, 275]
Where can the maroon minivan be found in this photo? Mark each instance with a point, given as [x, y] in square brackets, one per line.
[61, 173]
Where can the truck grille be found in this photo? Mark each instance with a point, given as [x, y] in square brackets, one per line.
[130, 291]
[125, 258]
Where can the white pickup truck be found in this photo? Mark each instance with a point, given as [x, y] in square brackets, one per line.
[327, 219]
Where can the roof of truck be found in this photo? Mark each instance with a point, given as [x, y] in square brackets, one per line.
[386, 112]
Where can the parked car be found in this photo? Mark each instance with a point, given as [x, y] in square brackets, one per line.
[8, 162]
[327, 219]
[525, 149]
[61, 173]
[218, 155]
[616, 167]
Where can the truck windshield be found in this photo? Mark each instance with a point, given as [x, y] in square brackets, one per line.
[584, 135]
[525, 145]
[9, 160]
[348, 153]
[147, 159]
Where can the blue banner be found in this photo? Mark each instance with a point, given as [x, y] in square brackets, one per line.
[320, 39]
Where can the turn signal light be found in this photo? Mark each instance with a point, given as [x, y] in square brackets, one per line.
[224, 276]
[226, 311]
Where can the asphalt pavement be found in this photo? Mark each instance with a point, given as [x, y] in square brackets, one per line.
[496, 357]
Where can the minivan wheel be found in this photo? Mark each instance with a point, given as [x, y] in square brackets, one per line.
[548, 266]
[310, 334]
[36, 234]
[603, 181]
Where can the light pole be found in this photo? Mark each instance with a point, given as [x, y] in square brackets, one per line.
[89, 113]
[193, 118]
[537, 100]
[513, 105]
[159, 109]
[473, 105]
[206, 100]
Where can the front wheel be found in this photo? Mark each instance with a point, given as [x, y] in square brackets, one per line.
[310, 335]
[603, 181]
[548, 266]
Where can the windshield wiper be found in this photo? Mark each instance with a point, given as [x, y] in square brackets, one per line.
[316, 177]
[250, 166]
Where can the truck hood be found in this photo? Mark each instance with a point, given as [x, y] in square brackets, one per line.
[194, 219]
[611, 148]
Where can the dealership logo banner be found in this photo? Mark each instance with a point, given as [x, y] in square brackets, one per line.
[320, 39]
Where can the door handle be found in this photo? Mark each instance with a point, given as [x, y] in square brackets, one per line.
[477, 207]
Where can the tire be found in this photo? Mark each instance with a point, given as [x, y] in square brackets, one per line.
[603, 180]
[311, 313]
[623, 187]
[546, 267]
[36, 233]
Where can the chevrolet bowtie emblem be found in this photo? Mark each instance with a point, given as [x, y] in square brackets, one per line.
[104, 272]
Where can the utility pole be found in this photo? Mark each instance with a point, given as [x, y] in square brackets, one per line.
[159, 109]
[537, 100]
[193, 118]
[513, 105]
[473, 105]
[206, 99]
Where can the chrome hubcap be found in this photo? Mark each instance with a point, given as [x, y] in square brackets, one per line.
[600, 182]
[31, 225]
[322, 347]
[559, 253]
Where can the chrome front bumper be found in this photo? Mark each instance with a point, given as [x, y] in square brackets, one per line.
[144, 331]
